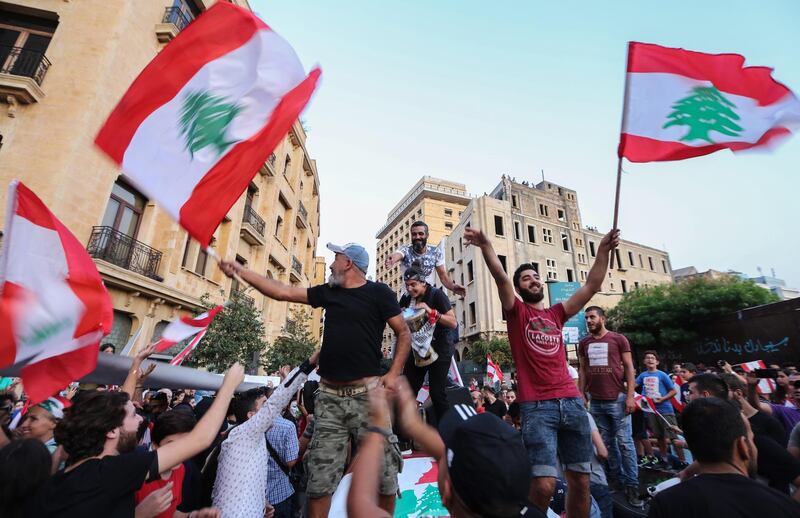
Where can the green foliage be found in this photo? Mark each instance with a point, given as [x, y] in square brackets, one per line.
[499, 348]
[669, 315]
[235, 335]
[295, 344]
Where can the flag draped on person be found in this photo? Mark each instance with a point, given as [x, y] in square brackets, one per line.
[54, 308]
[681, 104]
[201, 119]
[185, 327]
[493, 371]
[765, 385]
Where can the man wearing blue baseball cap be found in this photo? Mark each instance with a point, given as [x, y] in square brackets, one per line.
[356, 313]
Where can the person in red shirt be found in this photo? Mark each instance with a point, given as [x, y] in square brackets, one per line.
[555, 425]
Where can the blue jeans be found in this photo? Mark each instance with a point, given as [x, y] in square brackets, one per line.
[615, 427]
[602, 496]
[284, 509]
[556, 429]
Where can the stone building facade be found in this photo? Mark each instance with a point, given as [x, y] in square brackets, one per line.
[63, 67]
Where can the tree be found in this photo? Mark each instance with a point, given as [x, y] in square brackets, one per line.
[498, 347]
[704, 110]
[235, 335]
[294, 345]
[669, 315]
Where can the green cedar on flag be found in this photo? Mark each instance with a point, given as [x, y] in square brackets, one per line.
[682, 104]
[200, 120]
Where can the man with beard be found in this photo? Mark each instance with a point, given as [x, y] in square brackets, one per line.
[722, 443]
[607, 378]
[356, 313]
[425, 257]
[554, 418]
[103, 471]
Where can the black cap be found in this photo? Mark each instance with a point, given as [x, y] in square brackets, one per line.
[487, 462]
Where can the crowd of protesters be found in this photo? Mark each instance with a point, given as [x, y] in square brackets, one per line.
[582, 436]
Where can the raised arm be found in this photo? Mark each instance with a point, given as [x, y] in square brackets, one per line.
[270, 287]
[505, 288]
[136, 375]
[201, 436]
[449, 283]
[392, 259]
[594, 281]
[401, 351]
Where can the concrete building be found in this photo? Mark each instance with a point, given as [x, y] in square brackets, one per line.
[63, 67]
[439, 203]
[540, 224]
[768, 282]
[776, 286]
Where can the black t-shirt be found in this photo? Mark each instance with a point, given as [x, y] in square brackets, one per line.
[763, 424]
[436, 299]
[728, 495]
[354, 322]
[497, 408]
[98, 487]
[775, 463]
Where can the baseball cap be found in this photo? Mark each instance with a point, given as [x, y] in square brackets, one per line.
[357, 253]
[487, 462]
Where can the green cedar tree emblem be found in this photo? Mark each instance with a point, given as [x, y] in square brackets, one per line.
[204, 120]
[703, 110]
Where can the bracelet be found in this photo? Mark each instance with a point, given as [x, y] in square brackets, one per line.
[377, 429]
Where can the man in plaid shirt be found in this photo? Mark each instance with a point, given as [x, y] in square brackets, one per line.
[283, 439]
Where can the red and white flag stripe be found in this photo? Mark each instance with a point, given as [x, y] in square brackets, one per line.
[493, 370]
[54, 308]
[201, 119]
[185, 327]
[178, 359]
[766, 385]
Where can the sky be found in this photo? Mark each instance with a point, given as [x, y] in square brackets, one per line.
[467, 91]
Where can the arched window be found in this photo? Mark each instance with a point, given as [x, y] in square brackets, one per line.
[120, 330]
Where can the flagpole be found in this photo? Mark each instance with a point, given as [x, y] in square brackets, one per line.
[213, 254]
[619, 148]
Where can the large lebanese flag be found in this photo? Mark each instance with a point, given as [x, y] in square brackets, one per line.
[185, 327]
[54, 308]
[493, 370]
[682, 104]
[201, 119]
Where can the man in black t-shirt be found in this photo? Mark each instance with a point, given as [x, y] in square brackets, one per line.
[722, 443]
[98, 433]
[356, 313]
[437, 309]
[492, 404]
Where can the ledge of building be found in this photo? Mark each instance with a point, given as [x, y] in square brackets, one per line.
[23, 89]
[123, 279]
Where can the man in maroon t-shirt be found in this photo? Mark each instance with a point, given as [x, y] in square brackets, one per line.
[555, 425]
[607, 378]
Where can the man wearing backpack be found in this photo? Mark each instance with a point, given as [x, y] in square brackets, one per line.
[283, 449]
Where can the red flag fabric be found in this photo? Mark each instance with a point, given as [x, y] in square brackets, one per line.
[185, 327]
[54, 308]
[493, 370]
[682, 104]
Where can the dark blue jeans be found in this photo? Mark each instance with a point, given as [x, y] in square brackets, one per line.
[615, 427]
[602, 496]
[284, 509]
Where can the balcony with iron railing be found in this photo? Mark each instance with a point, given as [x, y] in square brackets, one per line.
[252, 227]
[173, 22]
[22, 72]
[302, 216]
[115, 247]
[297, 269]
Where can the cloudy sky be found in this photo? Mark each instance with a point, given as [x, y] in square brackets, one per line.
[467, 90]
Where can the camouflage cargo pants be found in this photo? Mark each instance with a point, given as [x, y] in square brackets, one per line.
[337, 420]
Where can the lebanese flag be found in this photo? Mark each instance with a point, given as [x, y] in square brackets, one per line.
[677, 400]
[201, 119]
[682, 104]
[645, 404]
[54, 308]
[765, 385]
[453, 372]
[185, 327]
[178, 359]
[493, 370]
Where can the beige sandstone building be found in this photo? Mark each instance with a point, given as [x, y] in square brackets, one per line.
[540, 224]
[63, 67]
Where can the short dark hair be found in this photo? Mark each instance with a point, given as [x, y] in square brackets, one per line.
[246, 402]
[597, 309]
[733, 381]
[651, 351]
[413, 273]
[24, 467]
[711, 383]
[711, 427]
[171, 423]
[82, 431]
[106, 346]
[521, 268]
[689, 366]
[420, 223]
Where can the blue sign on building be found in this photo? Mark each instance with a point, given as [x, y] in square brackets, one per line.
[575, 327]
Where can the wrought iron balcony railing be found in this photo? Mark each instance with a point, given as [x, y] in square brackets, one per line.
[18, 61]
[296, 266]
[120, 249]
[303, 212]
[250, 216]
[237, 293]
[176, 17]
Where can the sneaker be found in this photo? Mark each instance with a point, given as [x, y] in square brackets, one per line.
[643, 461]
[632, 495]
[660, 463]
